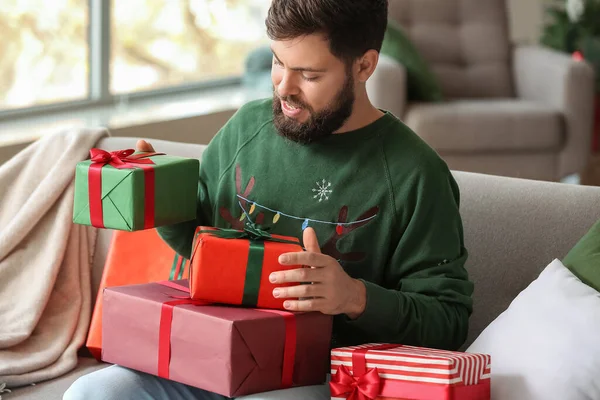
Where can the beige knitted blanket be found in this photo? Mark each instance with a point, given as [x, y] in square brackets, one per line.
[45, 260]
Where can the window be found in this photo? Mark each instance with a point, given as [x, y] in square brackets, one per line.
[158, 43]
[67, 53]
[44, 52]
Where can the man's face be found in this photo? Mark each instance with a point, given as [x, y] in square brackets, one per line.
[314, 90]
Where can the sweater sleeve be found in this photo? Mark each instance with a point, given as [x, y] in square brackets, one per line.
[217, 158]
[426, 300]
[180, 236]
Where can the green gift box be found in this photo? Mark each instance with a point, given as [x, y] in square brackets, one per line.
[131, 191]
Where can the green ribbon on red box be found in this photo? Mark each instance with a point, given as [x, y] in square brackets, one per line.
[120, 159]
[251, 232]
[257, 237]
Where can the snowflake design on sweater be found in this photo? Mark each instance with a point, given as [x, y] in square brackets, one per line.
[322, 191]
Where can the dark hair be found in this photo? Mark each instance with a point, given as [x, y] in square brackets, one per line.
[352, 26]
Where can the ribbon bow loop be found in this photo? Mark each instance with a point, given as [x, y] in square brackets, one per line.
[254, 232]
[123, 154]
[100, 156]
[365, 387]
[120, 158]
[250, 232]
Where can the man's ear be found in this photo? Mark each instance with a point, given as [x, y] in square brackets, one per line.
[366, 65]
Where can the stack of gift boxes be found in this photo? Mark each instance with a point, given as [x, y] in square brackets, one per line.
[213, 322]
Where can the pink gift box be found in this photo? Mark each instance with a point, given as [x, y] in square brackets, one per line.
[393, 372]
[232, 351]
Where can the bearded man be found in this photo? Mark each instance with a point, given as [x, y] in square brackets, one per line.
[377, 208]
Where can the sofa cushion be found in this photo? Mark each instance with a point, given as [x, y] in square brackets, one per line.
[584, 259]
[545, 345]
[486, 125]
[466, 43]
[54, 389]
[422, 84]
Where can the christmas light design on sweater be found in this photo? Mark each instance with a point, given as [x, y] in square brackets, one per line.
[278, 214]
[255, 211]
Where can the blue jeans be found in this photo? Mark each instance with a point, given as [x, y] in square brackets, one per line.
[118, 383]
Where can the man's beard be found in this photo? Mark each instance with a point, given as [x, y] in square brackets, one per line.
[320, 124]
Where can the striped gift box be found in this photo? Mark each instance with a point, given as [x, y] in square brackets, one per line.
[386, 371]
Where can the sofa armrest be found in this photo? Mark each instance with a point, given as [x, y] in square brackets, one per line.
[555, 79]
[387, 86]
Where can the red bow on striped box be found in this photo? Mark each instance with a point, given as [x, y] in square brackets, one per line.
[390, 371]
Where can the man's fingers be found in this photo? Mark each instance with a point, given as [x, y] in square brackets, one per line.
[144, 146]
[307, 258]
[300, 291]
[300, 275]
[304, 305]
[311, 243]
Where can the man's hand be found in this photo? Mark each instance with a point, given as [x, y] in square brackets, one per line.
[144, 146]
[329, 290]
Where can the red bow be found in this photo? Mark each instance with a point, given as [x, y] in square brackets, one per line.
[364, 387]
[121, 158]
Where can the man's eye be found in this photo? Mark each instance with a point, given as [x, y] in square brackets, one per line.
[310, 78]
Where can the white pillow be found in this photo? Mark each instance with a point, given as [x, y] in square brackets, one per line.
[546, 345]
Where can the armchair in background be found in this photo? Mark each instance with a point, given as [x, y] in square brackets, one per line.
[521, 111]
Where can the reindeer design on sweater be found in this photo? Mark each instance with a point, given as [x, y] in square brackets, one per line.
[330, 247]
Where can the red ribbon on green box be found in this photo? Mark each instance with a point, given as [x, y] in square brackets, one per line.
[120, 159]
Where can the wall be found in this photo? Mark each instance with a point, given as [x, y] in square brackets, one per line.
[526, 18]
[190, 130]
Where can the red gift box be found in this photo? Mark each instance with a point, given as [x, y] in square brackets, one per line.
[233, 267]
[232, 351]
[391, 371]
[127, 265]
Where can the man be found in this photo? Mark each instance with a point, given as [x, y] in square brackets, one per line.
[377, 208]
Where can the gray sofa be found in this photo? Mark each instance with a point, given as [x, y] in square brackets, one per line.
[511, 234]
[520, 111]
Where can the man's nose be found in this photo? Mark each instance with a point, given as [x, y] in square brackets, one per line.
[287, 86]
